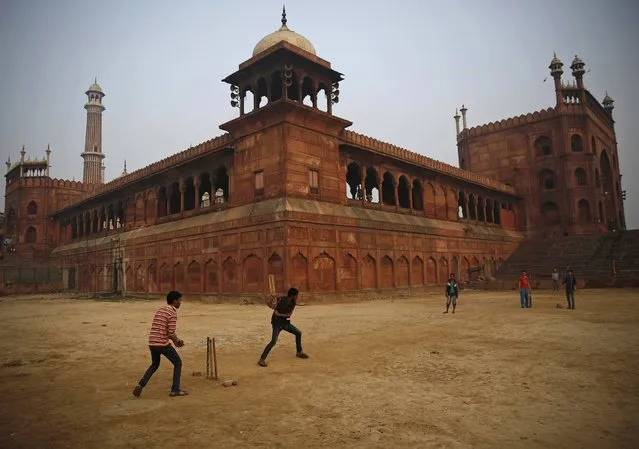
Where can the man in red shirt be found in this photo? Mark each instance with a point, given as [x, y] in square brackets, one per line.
[524, 290]
[163, 329]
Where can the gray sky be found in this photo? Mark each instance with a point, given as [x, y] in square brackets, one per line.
[407, 68]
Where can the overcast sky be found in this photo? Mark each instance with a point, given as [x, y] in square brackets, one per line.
[408, 65]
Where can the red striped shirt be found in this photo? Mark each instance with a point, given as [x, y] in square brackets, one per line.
[163, 327]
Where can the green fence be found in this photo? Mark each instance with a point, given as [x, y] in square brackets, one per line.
[32, 275]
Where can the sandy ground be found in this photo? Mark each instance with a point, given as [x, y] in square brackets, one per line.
[382, 374]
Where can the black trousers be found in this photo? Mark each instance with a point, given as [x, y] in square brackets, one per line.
[570, 296]
[276, 333]
[170, 353]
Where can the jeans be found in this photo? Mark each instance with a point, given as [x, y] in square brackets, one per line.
[170, 353]
[570, 296]
[524, 297]
[276, 333]
[451, 299]
[555, 285]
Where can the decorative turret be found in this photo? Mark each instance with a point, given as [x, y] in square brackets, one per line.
[555, 67]
[284, 66]
[556, 70]
[8, 163]
[608, 104]
[578, 71]
[456, 117]
[124, 172]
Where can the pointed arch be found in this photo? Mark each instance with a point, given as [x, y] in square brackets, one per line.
[31, 235]
[417, 271]
[152, 278]
[194, 276]
[32, 208]
[276, 268]
[417, 193]
[211, 277]
[369, 272]
[252, 274]
[388, 189]
[444, 270]
[299, 268]
[140, 284]
[402, 268]
[431, 271]
[403, 192]
[387, 272]
[348, 272]
[230, 279]
[166, 277]
[179, 277]
[323, 274]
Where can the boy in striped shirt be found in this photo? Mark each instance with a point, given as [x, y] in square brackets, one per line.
[163, 329]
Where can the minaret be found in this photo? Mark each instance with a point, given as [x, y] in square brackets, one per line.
[47, 172]
[456, 117]
[93, 173]
[463, 111]
[556, 71]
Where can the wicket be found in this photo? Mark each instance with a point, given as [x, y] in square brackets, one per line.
[211, 359]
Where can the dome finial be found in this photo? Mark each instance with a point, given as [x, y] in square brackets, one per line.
[284, 15]
[95, 80]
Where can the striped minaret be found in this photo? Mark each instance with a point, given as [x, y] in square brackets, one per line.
[93, 173]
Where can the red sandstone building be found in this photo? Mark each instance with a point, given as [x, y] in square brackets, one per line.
[287, 190]
[563, 161]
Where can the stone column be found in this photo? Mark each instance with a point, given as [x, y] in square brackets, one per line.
[395, 185]
[182, 190]
[410, 205]
[329, 103]
[363, 187]
[198, 199]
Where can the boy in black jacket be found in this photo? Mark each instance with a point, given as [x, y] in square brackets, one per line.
[281, 320]
[451, 292]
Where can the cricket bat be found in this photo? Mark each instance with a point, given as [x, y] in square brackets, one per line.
[271, 284]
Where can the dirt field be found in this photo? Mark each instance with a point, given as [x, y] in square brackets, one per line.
[382, 374]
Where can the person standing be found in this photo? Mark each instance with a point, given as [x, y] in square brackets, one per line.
[451, 292]
[283, 308]
[163, 329]
[555, 280]
[524, 290]
[571, 285]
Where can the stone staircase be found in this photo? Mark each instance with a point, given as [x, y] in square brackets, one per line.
[603, 260]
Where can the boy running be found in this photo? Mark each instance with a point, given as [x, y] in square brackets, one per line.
[162, 330]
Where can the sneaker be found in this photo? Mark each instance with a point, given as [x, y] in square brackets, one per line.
[262, 362]
[179, 393]
[301, 355]
[137, 391]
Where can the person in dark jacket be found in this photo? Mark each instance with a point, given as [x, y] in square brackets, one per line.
[281, 321]
[571, 285]
[451, 292]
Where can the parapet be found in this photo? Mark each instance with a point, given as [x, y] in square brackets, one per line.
[411, 157]
[510, 122]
